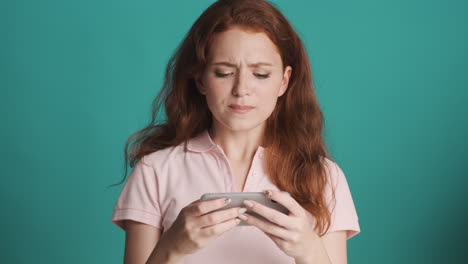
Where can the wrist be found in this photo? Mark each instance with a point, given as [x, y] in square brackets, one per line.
[322, 259]
[173, 258]
[303, 261]
[163, 254]
[318, 254]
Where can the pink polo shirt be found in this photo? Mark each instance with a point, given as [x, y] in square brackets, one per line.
[165, 181]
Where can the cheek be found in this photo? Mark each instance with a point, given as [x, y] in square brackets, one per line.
[268, 96]
[269, 91]
[217, 94]
[216, 85]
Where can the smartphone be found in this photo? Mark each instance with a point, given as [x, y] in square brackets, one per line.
[237, 199]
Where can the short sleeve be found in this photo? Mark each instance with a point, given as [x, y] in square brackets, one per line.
[343, 210]
[138, 200]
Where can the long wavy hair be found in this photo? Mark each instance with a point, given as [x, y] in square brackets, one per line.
[295, 148]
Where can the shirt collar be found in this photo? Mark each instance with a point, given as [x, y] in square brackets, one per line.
[203, 143]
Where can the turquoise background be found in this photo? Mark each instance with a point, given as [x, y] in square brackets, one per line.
[78, 77]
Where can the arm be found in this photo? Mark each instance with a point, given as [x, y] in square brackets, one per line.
[332, 249]
[140, 240]
[162, 254]
[141, 245]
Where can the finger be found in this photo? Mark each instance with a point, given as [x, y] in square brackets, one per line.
[220, 228]
[281, 243]
[277, 240]
[214, 218]
[203, 207]
[274, 216]
[268, 227]
[286, 200]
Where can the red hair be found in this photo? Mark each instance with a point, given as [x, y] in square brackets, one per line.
[295, 148]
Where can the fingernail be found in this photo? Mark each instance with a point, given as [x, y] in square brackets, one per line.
[248, 203]
[227, 200]
[243, 217]
[242, 210]
[237, 220]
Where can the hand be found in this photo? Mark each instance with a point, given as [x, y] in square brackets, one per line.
[294, 234]
[195, 226]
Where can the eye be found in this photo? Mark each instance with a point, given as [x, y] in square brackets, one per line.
[222, 74]
[262, 76]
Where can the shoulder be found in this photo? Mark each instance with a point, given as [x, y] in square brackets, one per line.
[332, 169]
[335, 174]
[337, 184]
[163, 156]
[182, 153]
[340, 201]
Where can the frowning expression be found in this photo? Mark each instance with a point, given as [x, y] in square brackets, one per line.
[243, 78]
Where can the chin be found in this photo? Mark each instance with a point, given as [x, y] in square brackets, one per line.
[244, 125]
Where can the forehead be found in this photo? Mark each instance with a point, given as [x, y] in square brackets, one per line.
[237, 44]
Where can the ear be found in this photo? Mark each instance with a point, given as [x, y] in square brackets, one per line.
[285, 81]
[200, 86]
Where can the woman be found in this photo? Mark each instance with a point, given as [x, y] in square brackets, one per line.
[242, 116]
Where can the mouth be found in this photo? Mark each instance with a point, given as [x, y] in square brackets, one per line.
[240, 109]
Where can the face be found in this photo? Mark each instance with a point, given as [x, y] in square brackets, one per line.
[243, 79]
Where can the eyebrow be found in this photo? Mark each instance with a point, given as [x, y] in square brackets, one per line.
[251, 65]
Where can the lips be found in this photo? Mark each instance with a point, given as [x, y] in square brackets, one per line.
[241, 107]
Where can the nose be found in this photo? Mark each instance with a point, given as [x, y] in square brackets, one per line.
[241, 85]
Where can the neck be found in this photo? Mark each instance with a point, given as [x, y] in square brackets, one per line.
[240, 145]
